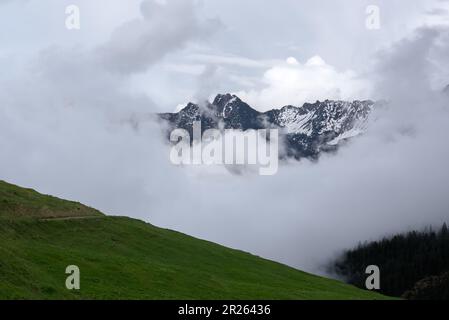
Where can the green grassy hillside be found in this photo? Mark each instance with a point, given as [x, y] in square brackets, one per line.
[123, 258]
[17, 202]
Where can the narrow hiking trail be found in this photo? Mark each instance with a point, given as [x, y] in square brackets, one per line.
[70, 218]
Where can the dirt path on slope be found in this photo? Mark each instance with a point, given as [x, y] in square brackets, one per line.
[71, 218]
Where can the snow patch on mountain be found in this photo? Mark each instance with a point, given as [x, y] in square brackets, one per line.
[308, 129]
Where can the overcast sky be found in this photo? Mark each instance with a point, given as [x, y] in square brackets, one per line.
[68, 97]
[241, 46]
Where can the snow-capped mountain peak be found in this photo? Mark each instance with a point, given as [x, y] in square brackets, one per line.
[307, 129]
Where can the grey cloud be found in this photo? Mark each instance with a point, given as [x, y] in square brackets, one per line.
[438, 12]
[164, 27]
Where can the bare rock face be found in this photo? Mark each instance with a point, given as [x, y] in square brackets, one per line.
[307, 130]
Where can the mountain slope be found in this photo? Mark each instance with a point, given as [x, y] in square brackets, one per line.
[123, 258]
[20, 202]
[306, 130]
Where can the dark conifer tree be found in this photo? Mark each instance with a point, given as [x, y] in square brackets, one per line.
[403, 260]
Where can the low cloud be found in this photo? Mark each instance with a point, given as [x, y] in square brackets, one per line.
[392, 179]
